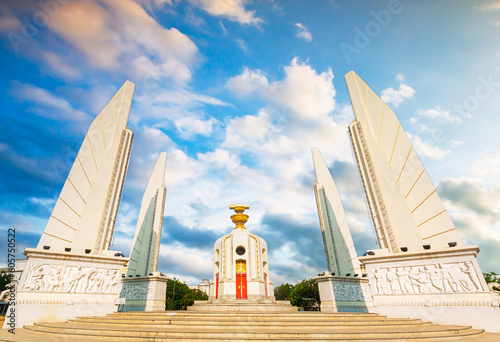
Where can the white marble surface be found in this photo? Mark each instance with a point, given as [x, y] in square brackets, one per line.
[434, 286]
[144, 293]
[60, 286]
[344, 294]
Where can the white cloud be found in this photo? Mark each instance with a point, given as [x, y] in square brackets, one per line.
[426, 149]
[440, 115]
[148, 143]
[305, 93]
[47, 104]
[233, 10]
[221, 158]
[185, 98]
[487, 165]
[248, 132]
[279, 157]
[24, 164]
[471, 194]
[10, 24]
[161, 2]
[455, 143]
[43, 201]
[491, 6]
[248, 82]
[303, 33]
[186, 168]
[241, 45]
[400, 78]
[194, 20]
[164, 107]
[190, 126]
[126, 223]
[396, 97]
[344, 114]
[193, 262]
[224, 30]
[61, 66]
[474, 208]
[107, 35]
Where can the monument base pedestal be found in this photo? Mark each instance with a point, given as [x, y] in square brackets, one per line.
[344, 294]
[55, 287]
[144, 293]
[444, 286]
[241, 305]
[225, 291]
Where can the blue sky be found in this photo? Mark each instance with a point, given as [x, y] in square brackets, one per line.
[237, 92]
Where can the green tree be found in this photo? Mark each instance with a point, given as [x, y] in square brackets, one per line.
[283, 292]
[199, 295]
[491, 277]
[178, 295]
[4, 280]
[307, 288]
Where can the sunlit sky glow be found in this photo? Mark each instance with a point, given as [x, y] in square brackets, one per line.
[237, 92]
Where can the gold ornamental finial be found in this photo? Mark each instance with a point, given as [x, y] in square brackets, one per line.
[239, 218]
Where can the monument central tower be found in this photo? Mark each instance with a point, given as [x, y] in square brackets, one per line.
[241, 270]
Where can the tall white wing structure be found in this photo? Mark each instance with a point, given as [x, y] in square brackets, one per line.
[405, 207]
[146, 244]
[84, 215]
[339, 248]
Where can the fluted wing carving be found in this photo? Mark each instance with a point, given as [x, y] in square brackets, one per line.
[339, 247]
[405, 206]
[84, 214]
[145, 247]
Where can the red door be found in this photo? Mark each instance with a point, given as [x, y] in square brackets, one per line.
[241, 286]
[217, 287]
[265, 284]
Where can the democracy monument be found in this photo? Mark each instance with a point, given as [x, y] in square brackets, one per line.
[422, 268]
[421, 273]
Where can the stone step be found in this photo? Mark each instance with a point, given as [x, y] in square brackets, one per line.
[319, 319]
[245, 314]
[132, 324]
[245, 320]
[241, 317]
[249, 326]
[250, 333]
[23, 335]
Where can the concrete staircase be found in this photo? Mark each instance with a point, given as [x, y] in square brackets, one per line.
[236, 326]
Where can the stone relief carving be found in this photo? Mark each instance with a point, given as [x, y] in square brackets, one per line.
[352, 292]
[436, 278]
[136, 291]
[71, 279]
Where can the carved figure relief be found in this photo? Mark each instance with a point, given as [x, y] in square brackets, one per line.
[404, 280]
[351, 292]
[434, 278]
[71, 279]
[136, 291]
